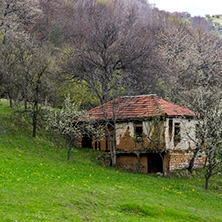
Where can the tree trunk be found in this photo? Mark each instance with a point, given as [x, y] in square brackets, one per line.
[34, 124]
[198, 147]
[11, 104]
[70, 149]
[104, 91]
[207, 177]
[113, 155]
[109, 142]
[10, 99]
[26, 92]
[208, 174]
[205, 163]
[36, 103]
[162, 163]
[114, 161]
[25, 104]
[191, 164]
[34, 119]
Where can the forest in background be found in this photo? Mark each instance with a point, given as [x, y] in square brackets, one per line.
[97, 50]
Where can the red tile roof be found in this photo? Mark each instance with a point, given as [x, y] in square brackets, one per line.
[136, 107]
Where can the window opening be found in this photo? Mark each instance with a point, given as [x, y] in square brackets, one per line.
[177, 137]
[170, 126]
[139, 132]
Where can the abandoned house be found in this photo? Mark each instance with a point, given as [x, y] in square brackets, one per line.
[151, 134]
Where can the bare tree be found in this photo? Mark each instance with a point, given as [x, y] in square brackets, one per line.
[192, 58]
[16, 17]
[27, 76]
[24, 61]
[53, 24]
[112, 54]
[194, 62]
[10, 55]
[111, 114]
[111, 50]
[212, 127]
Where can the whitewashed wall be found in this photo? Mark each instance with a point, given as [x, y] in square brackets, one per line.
[187, 131]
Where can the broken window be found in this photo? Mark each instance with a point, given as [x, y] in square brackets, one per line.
[170, 127]
[177, 137]
[139, 132]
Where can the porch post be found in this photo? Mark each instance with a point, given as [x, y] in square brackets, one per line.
[138, 161]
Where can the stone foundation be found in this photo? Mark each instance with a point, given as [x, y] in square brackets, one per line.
[180, 160]
[172, 161]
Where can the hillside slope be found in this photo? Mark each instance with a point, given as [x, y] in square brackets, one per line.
[38, 184]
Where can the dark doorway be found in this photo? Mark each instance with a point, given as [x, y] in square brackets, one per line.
[86, 142]
[155, 163]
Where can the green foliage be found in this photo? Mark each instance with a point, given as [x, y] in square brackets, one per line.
[80, 94]
[38, 184]
[65, 121]
[104, 2]
[72, 122]
[1, 36]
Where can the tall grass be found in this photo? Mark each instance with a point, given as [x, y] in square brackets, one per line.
[37, 183]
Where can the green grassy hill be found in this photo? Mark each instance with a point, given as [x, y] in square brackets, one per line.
[37, 183]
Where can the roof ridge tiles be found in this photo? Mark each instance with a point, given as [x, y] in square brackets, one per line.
[138, 96]
[140, 106]
[159, 105]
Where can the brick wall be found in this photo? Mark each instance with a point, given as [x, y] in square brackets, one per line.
[180, 160]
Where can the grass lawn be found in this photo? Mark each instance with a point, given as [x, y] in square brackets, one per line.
[37, 183]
